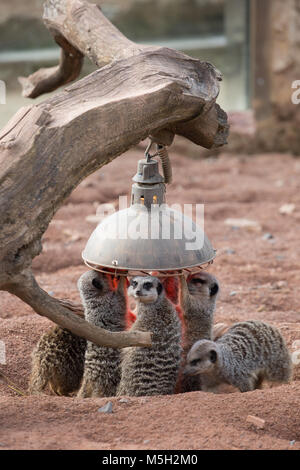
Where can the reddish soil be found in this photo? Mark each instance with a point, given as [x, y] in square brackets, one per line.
[259, 279]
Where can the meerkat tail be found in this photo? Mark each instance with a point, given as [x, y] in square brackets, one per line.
[39, 378]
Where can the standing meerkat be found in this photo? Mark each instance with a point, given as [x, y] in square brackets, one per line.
[246, 355]
[197, 296]
[106, 308]
[152, 371]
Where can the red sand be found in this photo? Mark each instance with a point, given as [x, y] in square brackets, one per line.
[259, 280]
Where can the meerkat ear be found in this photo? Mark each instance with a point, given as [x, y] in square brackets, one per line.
[214, 289]
[159, 288]
[213, 356]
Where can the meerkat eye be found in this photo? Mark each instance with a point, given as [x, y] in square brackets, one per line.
[213, 356]
[197, 281]
[97, 283]
[133, 283]
[214, 289]
[148, 285]
[195, 362]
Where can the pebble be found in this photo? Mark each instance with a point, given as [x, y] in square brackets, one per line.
[287, 209]
[229, 251]
[267, 236]
[243, 223]
[107, 408]
[233, 293]
[258, 422]
[296, 344]
[123, 400]
[292, 443]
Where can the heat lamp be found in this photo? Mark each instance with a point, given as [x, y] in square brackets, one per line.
[149, 235]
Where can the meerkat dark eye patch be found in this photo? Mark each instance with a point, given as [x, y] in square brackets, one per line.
[195, 362]
[214, 289]
[97, 283]
[148, 285]
[159, 288]
[213, 356]
[198, 281]
[133, 283]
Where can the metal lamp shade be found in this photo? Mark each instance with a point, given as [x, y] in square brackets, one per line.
[139, 240]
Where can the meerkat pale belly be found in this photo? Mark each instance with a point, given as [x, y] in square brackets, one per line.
[152, 371]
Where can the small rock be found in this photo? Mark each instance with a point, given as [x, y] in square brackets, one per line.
[123, 400]
[296, 344]
[232, 293]
[296, 357]
[267, 236]
[287, 209]
[107, 408]
[281, 284]
[243, 223]
[261, 308]
[229, 251]
[146, 441]
[292, 443]
[258, 422]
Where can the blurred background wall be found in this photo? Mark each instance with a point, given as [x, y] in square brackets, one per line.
[212, 30]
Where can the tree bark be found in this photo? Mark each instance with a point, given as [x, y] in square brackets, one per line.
[49, 79]
[46, 150]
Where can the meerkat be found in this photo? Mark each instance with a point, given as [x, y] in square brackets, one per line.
[246, 355]
[152, 371]
[58, 359]
[106, 308]
[197, 297]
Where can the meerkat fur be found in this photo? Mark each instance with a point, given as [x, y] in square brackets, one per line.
[105, 308]
[198, 296]
[246, 355]
[154, 370]
[57, 361]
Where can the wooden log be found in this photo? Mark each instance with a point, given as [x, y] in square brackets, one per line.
[26, 288]
[49, 79]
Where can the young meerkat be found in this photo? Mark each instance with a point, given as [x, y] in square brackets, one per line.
[106, 308]
[246, 355]
[197, 296]
[154, 370]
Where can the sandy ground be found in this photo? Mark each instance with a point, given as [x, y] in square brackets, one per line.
[259, 276]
